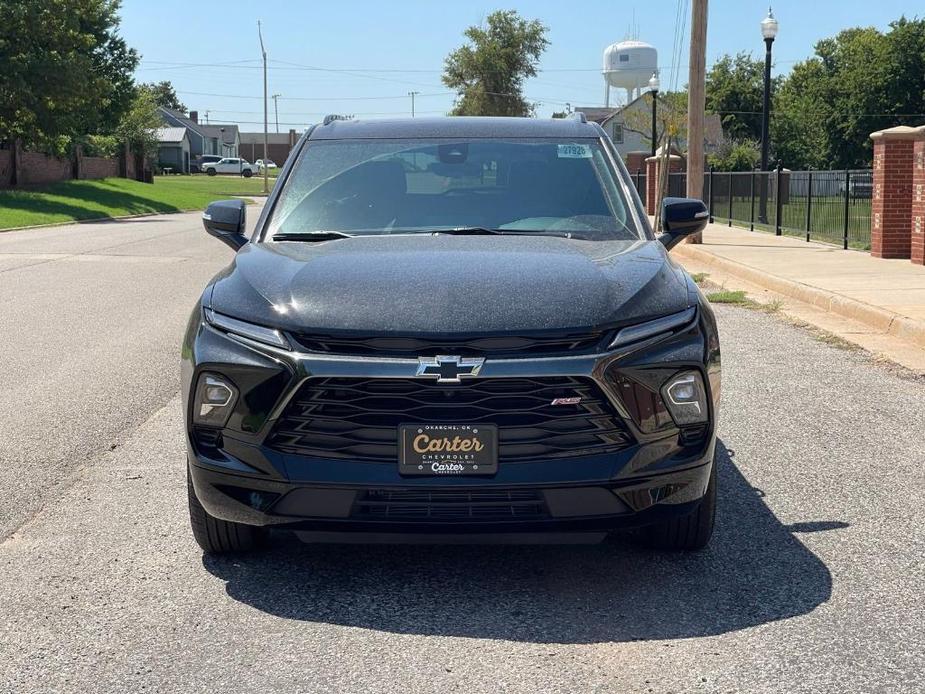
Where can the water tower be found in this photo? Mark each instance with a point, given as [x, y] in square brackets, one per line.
[628, 65]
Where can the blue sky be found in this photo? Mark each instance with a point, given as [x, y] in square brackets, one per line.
[363, 56]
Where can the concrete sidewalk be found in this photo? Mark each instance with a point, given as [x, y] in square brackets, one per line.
[888, 296]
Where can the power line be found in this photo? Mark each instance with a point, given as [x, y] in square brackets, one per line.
[241, 64]
[540, 99]
[315, 98]
[799, 112]
[303, 123]
[362, 74]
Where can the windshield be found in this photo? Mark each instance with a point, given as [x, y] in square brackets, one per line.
[535, 186]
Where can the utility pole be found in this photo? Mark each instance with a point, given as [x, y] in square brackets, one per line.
[412, 95]
[696, 103]
[266, 182]
[276, 110]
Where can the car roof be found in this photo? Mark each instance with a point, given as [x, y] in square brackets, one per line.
[455, 126]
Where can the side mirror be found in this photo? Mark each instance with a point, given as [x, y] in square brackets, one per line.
[681, 217]
[225, 221]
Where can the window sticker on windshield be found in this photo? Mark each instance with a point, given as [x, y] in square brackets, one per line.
[574, 151]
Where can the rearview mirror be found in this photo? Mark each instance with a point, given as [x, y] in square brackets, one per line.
[681, 217]
[225, 220]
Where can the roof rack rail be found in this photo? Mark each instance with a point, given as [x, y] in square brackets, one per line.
[331, 117]
[578, 115]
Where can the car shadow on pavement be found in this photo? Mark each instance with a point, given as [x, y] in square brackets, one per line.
[755, 571]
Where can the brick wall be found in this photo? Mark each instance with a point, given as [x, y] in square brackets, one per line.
[276, 152]
[636, 161]
[917, 235]
[39, 169]
[98, 167]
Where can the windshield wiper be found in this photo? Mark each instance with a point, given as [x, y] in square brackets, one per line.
[480, 231]
[468, 231]
[311, 236]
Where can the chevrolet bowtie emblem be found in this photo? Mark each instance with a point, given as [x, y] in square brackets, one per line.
[449, 369]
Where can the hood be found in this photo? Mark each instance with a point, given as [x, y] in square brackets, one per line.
[449, 284]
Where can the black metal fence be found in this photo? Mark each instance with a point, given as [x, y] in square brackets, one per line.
[830, 206]
[639, 179]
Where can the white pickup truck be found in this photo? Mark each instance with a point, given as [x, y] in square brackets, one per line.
[231, 165]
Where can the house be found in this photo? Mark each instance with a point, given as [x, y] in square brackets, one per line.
[225, 139]
[613, 121]
[173, 149]
[622, 124]
[216, 138]
[278, 146]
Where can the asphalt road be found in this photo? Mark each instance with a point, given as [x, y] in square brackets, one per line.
[813, 582]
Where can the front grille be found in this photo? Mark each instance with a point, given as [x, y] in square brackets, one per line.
[546, 344]
[358, 419]
[450, 505]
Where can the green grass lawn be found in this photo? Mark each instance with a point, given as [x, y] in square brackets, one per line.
[827, 224]
[69, 201]
[215, 185]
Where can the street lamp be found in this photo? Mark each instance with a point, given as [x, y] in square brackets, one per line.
[769, 28]
[653, 86]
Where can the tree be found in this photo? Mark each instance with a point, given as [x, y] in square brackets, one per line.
[164, 95]
[140, 123]
[735, 155]
[671, 118]
[798, 137]
[488, 73]
[66, 71]
[859, 81]
[735, 89]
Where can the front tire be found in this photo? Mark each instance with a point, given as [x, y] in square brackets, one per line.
[690, 532]
[210, 172]
[216, 536]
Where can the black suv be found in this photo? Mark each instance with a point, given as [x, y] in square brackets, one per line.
[452, 328]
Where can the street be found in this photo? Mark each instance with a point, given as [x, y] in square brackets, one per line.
[812, 583]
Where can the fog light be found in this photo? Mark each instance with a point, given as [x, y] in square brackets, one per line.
[686, 398]
[215, 399]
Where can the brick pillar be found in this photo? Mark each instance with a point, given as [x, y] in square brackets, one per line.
[917, 244]
[891, 205]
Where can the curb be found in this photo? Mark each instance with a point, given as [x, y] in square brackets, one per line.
[880, 319]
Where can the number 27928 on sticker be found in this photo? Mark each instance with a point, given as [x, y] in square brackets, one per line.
[574, 151]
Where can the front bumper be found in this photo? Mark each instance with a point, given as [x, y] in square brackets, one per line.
[244, 480]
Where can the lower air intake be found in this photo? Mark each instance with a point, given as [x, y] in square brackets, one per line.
[450, 505]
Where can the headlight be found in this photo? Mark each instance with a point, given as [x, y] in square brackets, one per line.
[260, 333]
[686, 398]
[215, 399]
[659, 326]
